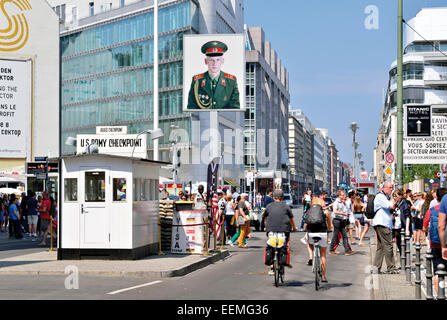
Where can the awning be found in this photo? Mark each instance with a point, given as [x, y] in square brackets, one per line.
[232, 183]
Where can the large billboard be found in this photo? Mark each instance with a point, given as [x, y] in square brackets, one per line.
[15, 108]
[430, 149]
[214, 72]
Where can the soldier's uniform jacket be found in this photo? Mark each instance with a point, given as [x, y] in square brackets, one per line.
[225, 96]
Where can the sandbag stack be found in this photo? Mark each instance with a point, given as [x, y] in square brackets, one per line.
[166, 215]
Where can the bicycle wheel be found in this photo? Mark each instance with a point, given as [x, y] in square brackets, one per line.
[282, 273]
[316, 268]
[276, 269]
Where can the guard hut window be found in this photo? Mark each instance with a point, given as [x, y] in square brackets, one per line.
[119, 189]
[95, 184]
[71, 189]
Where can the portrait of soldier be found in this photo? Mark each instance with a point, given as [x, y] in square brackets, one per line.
[214, 89]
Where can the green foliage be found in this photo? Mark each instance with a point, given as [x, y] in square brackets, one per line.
[419, 171]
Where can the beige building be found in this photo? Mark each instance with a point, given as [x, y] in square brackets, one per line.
[29, 86]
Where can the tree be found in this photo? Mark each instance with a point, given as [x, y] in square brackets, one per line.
[419, 171]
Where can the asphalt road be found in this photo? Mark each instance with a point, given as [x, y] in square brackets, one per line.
[241, 276]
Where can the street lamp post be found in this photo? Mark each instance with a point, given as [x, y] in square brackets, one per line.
[399, 97]
[354, 127]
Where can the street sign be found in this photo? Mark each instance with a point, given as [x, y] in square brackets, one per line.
[428, 149]
[364, 175]
[388, 171]
[389, 158]
[41, 176]
[418, 120]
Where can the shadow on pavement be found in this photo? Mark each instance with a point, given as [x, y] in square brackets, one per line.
[6, 264]
[296, 283]
[327, 286]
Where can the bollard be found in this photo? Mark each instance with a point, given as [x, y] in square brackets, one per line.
[417, 281]
[402, 249]
[206, 236]
[441, 273]
[51, 235]
[429, 274]
[160, 251]
[408, 259]
[222, 233]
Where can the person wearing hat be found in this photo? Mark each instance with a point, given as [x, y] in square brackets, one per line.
[214, 89]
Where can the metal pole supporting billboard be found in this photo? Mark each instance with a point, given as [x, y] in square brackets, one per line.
[400, 131]
[155, 77]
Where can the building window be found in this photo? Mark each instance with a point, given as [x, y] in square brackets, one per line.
[122, 3]
[60, 11]
[91, 8]
[119, 189]
[74, 14]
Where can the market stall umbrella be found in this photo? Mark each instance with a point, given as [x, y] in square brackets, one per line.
[10, 191]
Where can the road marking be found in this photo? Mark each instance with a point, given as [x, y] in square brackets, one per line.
[136, 287]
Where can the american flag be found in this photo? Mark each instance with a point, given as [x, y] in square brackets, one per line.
[216, 214]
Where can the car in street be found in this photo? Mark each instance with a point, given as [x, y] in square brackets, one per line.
[288, 200]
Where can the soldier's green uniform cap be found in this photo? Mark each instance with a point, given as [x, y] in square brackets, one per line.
[214, 48]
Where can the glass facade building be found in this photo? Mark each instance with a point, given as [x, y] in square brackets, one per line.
[107, 71]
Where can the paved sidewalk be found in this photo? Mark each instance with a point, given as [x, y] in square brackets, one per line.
[46, 263]
[394, 286]
[157, 266]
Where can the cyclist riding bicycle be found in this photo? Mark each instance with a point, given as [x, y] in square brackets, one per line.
[278, 217]
[320, 230]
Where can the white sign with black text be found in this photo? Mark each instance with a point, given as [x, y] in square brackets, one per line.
[121, 145]
[428, 150]
[15, 108]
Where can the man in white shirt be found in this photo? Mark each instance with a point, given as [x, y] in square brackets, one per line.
[341, 218]
[383, 225]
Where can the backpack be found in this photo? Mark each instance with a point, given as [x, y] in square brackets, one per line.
[433, 229]
[369, 212]
[315, 215]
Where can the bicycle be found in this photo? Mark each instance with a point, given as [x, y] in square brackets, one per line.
[277, 240]
[316, 262]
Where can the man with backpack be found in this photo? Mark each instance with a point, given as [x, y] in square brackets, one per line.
[318, 224]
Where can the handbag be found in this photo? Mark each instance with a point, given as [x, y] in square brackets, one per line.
[351, 218]
[241, 220]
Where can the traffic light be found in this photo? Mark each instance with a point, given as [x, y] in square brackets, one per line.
[177, 160]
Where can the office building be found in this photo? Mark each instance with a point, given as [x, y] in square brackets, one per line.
[266, 116]
[107, 74]
[424, 74]
[29, 99]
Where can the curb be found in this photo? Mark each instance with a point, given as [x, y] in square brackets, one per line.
[135, 274]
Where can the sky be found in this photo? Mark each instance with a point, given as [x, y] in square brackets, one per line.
[338, 69]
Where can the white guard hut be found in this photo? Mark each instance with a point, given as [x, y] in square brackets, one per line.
[109, 207]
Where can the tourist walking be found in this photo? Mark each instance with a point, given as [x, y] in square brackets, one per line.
[45, 217]
[31, 211]
[358, 209]
[243, 220]
[339, 222]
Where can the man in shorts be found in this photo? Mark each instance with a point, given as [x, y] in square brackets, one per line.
[45, 217]
[31, 212]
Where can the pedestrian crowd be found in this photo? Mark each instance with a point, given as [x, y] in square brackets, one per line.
[28, 216]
